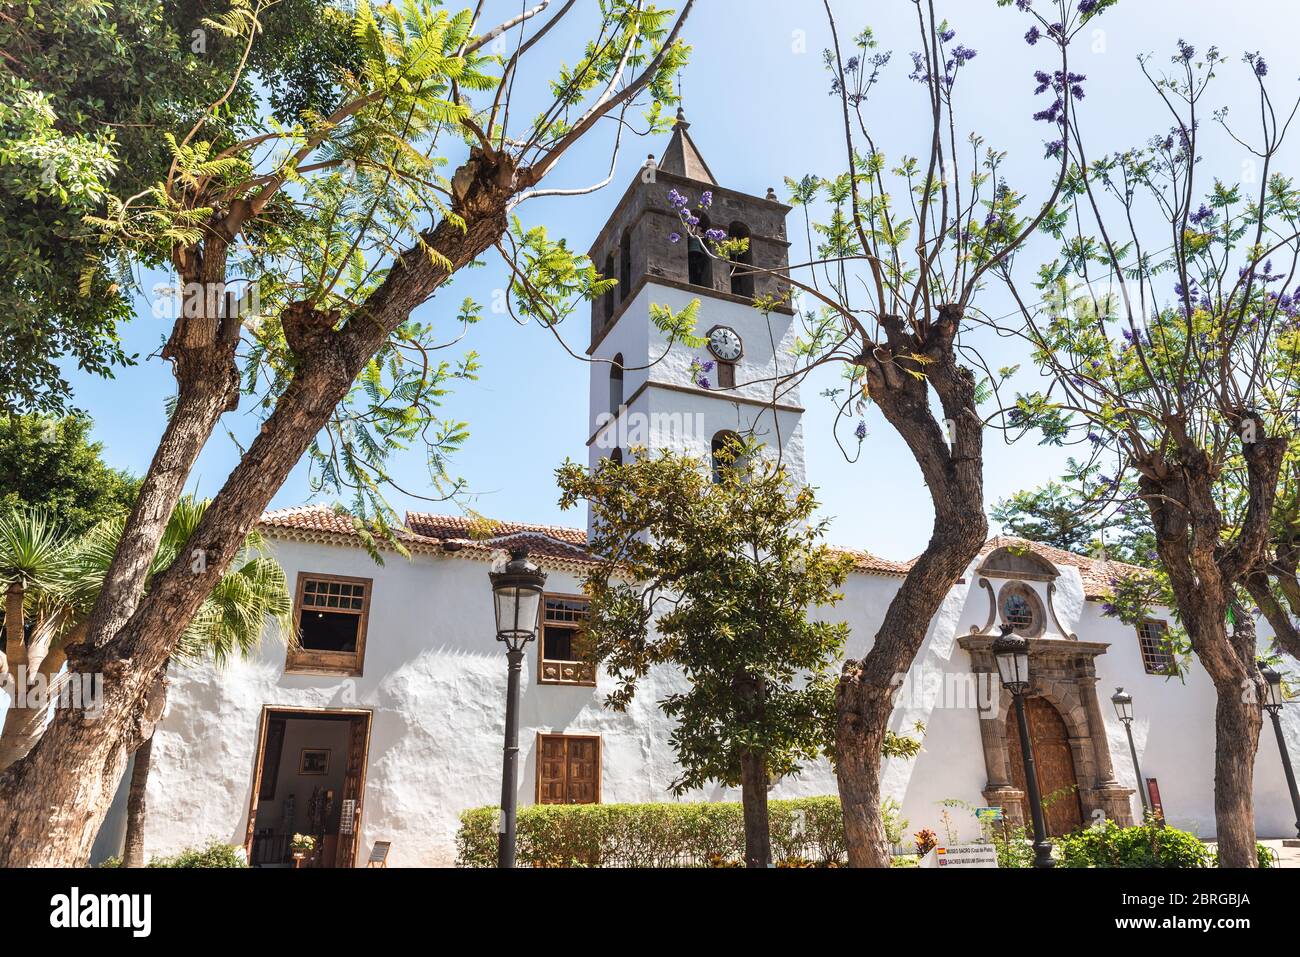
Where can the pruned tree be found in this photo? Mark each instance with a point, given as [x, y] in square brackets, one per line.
[900, 249]
[724, 578]
[1168, 331]
[345, 223]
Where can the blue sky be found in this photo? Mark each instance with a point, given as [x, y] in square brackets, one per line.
[757, 98]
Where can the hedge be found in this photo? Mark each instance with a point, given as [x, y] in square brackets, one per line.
[805, 832]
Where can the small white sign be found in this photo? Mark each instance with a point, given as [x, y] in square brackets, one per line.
[962, 855]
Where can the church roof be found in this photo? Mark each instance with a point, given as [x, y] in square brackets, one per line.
[560, 546]
[683, 157]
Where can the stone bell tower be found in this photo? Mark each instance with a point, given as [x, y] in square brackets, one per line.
[646, 391]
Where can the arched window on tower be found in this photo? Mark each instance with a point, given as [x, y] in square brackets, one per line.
[616, 384]
[625, 266]
[699, 265]
[742, 275]
[725, 448]
[611, 297]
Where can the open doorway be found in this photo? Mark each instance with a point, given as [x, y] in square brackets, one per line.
[310, 779]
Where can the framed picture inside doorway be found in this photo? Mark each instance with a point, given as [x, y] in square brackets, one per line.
[314, 761]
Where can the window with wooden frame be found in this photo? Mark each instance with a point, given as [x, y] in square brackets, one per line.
[330, 612]
[1153, 640]
[568, 768]
[562, 652]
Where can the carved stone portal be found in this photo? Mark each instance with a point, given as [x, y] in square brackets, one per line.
[1064, 675]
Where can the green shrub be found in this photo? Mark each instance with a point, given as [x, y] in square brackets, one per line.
[1107, 844]
[1264, 856]
[214, 854]
[805, 832]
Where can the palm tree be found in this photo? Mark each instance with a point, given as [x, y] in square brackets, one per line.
[58, 582]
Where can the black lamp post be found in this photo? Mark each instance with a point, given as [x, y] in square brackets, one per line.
[517, 597]
[1123, 702]
[1011, 652]
[1273, 705]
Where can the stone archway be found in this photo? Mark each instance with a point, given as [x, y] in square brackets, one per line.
[1064, 679]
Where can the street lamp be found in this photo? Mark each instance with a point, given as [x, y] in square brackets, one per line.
[1011, 652]
[1123, 702]
[1273, 705]
[517, 598]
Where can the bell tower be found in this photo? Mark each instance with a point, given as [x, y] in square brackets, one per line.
[647, 391]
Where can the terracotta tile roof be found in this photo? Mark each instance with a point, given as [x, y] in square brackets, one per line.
[467, 527]
[875, 565]
[1097, 575]
[486, 538]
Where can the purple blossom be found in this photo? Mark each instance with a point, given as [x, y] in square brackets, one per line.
[861, 430]
[706, 200]
[1257, 63]
[947, 35]
[963, 54]
[1202, 215]
[1185, 52]
[1087, 6]
[1055, 147]
[717, 235]
[703, 382]
[707, 367]
[1033, 36]
[1023, 5]
[675, 238]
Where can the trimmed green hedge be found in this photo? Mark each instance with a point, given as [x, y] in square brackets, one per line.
[1144, 845]
[805, 832]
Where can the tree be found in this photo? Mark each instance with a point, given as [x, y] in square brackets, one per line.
[51, 581]
[1106, 524]
[88, 91]
[903, 249]
[725, 581]
[345, 224]
[51, 465]
[1173, 347]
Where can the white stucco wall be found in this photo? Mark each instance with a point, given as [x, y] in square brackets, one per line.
[435, 680]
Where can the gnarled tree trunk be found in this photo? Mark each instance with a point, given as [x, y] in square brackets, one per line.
[951, 459]
[53, 802]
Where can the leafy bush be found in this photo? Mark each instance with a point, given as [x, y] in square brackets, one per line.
[214, 854]
[1107, 844]
[806, 832]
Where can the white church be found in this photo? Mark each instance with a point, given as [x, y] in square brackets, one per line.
[387, 722]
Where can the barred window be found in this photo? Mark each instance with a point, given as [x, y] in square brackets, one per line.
[1153, 640]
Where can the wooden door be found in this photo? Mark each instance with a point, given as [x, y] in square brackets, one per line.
[1058, 784]
[354, 791]
[583, 764]
[568, 769]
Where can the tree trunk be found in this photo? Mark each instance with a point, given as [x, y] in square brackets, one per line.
[862, 715]
[753, 798]
[137, 805]
[53, 802]
[1237, 722]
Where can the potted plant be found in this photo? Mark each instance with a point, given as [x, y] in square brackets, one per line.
[302, 845]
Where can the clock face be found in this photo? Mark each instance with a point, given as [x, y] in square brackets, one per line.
[725, 344]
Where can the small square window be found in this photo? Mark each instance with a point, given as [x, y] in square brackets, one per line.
[1153, 640]
[330, 614]
[562, 653]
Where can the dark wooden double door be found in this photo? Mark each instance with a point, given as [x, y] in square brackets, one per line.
[568, 769]
[1058, 784]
